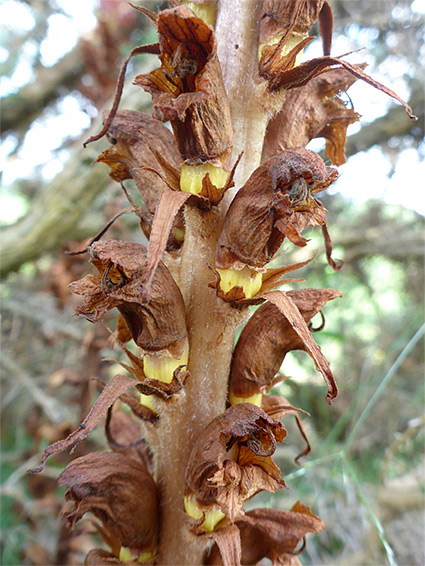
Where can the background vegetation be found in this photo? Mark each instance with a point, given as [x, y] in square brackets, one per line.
[364, 477]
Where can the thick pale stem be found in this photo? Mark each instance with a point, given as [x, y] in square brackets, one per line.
[211, 324]
[237, 47]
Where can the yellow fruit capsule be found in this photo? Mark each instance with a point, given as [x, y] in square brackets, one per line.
[191, 177]
[249, 280]
[254, 399]
[127, 556]
[206, 11]
[146, 401]
[162, 367]
[212, 516]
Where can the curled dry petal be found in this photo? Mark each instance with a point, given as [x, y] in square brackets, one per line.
[268, 337]
[313, 111]
[124, 437]
[158, 325]
[120, 492]
[276, 202]
[188, 88]
[231, 459]
[272, 534]
[136, 140]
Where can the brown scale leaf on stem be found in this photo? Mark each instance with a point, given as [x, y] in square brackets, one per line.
[272, 534]
[231, 459]
[188, 88]
[276, 202]
[271, 333]
[121, 493]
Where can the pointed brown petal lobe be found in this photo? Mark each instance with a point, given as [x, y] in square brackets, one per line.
[287, 307]
[116, 387]
[120, 492]
[269, 335]
[188, 89]
[230, 460]
[276, 202]
[168, 207]
[299, 76]
[153, 49]
[228, 542]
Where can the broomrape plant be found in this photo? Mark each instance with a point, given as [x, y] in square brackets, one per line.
[220, 195]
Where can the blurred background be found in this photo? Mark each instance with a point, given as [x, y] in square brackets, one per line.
[59, 61]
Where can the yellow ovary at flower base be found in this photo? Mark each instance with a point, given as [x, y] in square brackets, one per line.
[162, 367]
[212, 516]
[146, 401]
[205, 11]
[191, 177]
[292, 41]
[254, 399]
[249, 280]
[127, 555]
[178, 233]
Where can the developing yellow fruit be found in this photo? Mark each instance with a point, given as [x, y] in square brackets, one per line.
[249, 280]
[204, 11]
[254, 399]
[212, 516]
[191, 177]
[162, 367]
[127, 556]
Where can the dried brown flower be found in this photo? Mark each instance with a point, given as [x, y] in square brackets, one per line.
[272, 534]
[188, 88]
[313, 111]
[121, 493]
[136, 141]
[267, 338]
[231, 459]
[159, 325]
[276, 202]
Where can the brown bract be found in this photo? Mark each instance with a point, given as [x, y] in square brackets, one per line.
[160, 324]
[313, 111]
[231, 459]
[276, 202]
[272, 534]
[266, 339]
[188, 88]
[136, 140]
[118, 491]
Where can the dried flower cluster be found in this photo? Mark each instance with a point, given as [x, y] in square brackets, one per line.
[172, 490]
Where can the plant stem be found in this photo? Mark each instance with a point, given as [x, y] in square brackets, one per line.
[211, 324]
